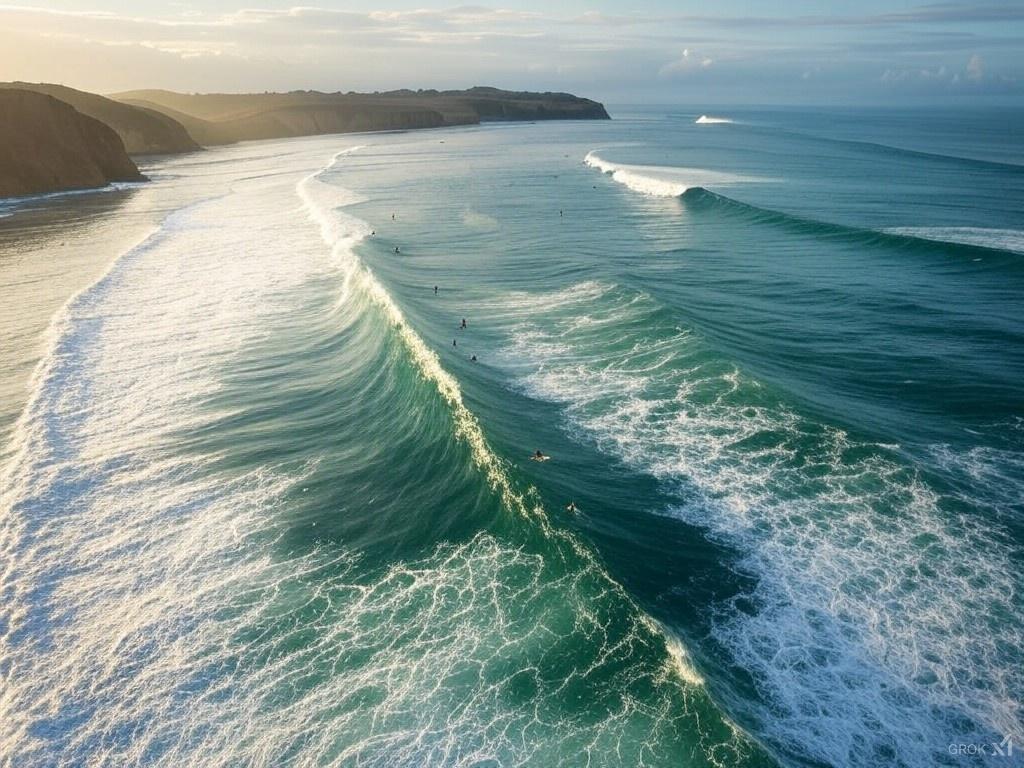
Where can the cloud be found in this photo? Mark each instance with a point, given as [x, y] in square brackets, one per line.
[689, 61]
[625, 55]
[973, 74]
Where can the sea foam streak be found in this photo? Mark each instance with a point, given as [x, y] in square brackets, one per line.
[708, 120]
[8, 203]
[870, 633]
[998, 239]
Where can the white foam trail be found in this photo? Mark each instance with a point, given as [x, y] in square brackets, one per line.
[341, 232]
[663, 181]
[881, 623]
[999, 239]
[708, 120]
[154, 610]
[467, 427]
[114, 546]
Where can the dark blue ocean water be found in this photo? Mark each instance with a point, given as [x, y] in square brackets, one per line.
[266, 508]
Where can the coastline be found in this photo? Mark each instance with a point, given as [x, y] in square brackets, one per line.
[52, 251]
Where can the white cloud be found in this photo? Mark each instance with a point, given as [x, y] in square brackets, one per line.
[973, 73]
[631, 54]
[689, 61]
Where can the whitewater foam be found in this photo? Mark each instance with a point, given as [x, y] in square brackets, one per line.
[635, 178]
[870, 635]
[524, 502]
[708, 120]
[154, 609]
[114, 545]
[663, 181]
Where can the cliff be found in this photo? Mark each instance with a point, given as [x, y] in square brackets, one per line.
[143, 131]
[203, 132]
[47, 146]
[219, 118]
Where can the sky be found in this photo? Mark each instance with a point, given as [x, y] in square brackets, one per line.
[644, 51]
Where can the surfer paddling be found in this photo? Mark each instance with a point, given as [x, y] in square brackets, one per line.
[538, 456]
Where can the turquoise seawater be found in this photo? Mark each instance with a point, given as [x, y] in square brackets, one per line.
[266, 502]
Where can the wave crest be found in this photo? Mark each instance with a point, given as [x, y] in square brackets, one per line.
[663, 181]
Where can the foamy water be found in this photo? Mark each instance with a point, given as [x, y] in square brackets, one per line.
[865, 609]
[663, 181]
[154, 611]
[271, 503]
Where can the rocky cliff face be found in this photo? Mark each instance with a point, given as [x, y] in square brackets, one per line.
[495, 104]
[143, 131]
[203, 132]
[238, 116]
[311, 119]
[48, 146]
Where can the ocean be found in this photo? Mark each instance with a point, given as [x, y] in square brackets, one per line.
[265, 501]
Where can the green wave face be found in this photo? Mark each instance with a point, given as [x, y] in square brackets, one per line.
[269, 500]
[319, 560]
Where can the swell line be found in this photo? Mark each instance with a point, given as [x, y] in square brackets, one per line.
[467, 426]
[909, 239]
[907, 152]
[698, 197]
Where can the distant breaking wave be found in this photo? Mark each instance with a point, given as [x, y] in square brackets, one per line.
[708, 120]
[636, 181]
[662, 181]
[666, 182]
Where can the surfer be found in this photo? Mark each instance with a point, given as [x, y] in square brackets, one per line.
[472, 359]
[538, 456]
[463, 326]
[455, 342]
[397, 249]
[571, 507]
[435, 290]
